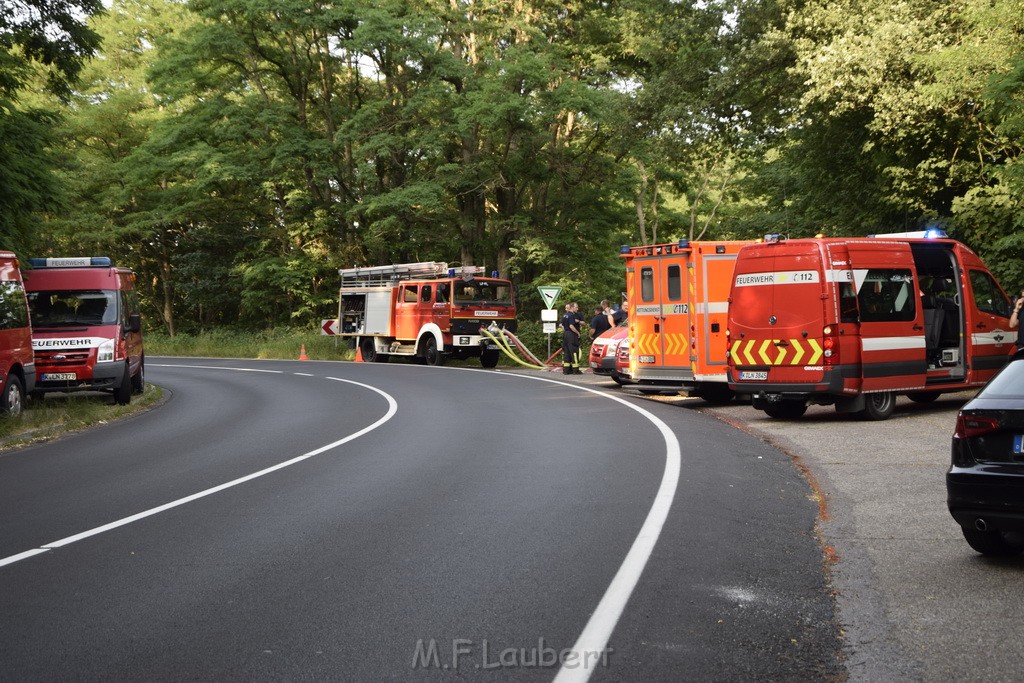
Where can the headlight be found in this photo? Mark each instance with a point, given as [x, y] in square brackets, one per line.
[105, 351]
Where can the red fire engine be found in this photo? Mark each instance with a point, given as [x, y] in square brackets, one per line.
[855, 321]
[424, 310]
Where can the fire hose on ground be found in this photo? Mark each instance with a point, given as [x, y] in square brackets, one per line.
[501, 337]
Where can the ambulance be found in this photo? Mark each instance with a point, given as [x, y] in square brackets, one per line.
[854, 322]
[426, 311]
[86, 327]
[17, 367]
[678, 295]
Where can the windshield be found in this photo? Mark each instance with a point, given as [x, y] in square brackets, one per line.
[481, 291]
[68, 308]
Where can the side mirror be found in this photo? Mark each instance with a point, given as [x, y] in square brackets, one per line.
[134, 323]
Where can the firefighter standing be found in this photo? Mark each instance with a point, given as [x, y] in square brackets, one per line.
[571, 340]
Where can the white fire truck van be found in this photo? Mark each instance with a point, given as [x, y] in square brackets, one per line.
[855, 322]
[678, 296]
[424, 310]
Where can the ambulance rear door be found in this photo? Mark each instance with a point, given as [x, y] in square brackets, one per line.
[661, 307]
[713, 276]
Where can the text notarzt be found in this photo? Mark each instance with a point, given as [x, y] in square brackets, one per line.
[470, 654]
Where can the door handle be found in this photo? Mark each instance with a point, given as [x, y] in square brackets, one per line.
[918, 327]
[980, 326]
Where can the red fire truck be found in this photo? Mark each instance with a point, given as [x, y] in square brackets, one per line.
[856, 321]
[424, 310]
[678, 296]
[17, 368]
[86, 327]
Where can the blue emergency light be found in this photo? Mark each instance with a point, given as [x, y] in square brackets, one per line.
[624, 249]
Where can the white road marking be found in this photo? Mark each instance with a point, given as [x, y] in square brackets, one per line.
[592, 642]
[392, 409]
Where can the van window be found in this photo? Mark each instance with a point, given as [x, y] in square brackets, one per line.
[410, 295]
[425, 293]
[12, 306]
[887, 295]
[847, 303]
[675, 289]
[647, 284]
[987, 295]
[75, 307]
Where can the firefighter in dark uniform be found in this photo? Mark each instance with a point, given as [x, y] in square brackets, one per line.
[570, 340]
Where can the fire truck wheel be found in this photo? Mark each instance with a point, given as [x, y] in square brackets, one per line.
[617, 378]
[13, 399]
[431, 355]
[878, 406]
[716, 393]
[786, 409]
[123, 393]
[489, 358]
[369, 350]
[924, 396]
[139, 380]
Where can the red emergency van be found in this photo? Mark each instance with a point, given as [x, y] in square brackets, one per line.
[86, 327]
[855, 322]
[17, 368]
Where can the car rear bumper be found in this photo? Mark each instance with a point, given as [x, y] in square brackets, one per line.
[993, 495]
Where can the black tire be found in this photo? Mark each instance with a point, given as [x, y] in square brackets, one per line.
[992, 542]
[431, 354]
[12, 402]
[617, 378]
[786, 409]
[369, 351]
[489, 358]
[123, 393]
[924, 396]
[139, 379]
[878, 406]
[716, 393]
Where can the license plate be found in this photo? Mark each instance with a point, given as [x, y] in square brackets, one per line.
[1018, 444]
[753, 375]
[58, 376]
[646, 359]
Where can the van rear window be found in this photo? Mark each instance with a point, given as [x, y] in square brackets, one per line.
[887, 295]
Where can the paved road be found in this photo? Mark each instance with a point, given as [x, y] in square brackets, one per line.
[914, 601]
[314, 520]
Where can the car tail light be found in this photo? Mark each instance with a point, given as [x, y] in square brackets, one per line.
[972, 426]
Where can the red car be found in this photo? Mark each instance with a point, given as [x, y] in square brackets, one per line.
[604, 349]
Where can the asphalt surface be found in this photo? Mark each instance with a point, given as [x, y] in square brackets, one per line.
[392, 521]
[914, 601]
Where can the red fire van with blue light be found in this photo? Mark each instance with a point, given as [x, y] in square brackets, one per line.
[854, 322]
[86, 327]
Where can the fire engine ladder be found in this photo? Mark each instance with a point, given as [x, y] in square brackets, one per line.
[387, 275]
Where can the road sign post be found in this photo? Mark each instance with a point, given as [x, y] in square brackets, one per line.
[549, 316]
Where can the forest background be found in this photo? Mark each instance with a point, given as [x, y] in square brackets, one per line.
[237, 153]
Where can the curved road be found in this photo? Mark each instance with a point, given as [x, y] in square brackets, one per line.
[286, 520]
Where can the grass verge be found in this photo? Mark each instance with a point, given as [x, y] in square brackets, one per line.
[60, 414]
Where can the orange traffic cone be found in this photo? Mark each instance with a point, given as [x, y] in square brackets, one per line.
[359, 355]
[302, 353]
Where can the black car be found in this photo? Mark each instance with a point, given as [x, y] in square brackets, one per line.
[985, 484]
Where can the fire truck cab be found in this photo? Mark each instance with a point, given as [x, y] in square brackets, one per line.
[678, 296]
[86, 327]
[855, 322]
[17, 367]
[424, 310]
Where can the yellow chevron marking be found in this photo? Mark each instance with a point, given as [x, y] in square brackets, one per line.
[735, 352]
[816, 347]
[763, 351]
[746, 352]
[782, 354]
[798, 352]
